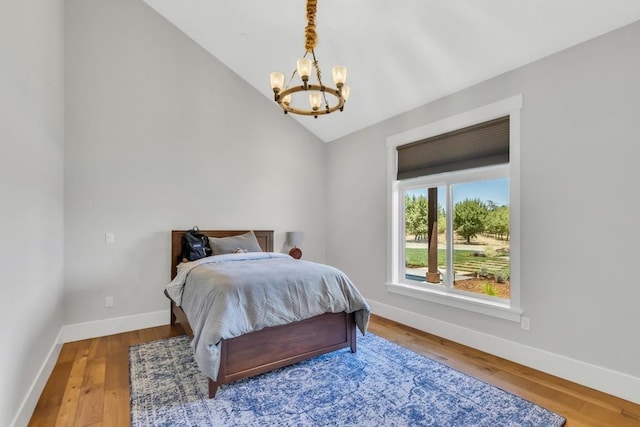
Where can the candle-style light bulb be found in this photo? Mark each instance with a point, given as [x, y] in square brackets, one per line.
[339, 73]
[315, 99]
[277, 81]
[345, 90]
[304, 68]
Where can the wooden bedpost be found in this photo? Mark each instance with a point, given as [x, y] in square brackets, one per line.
[213, 388]
[351, 330]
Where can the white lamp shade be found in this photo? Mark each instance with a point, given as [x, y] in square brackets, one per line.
[286, 100]
[339, 73]
[277, 80]
[304, 67]
[345, 90]
[295, 238]
[315, 99]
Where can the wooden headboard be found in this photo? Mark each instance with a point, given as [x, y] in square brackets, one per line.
[265, 239]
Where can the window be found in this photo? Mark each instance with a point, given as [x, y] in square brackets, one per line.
[456, 232]
[455, 211]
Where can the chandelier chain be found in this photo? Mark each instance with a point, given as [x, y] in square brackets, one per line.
[318, 74]
[310, 36]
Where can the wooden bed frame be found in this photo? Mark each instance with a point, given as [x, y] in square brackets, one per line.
[270, 348]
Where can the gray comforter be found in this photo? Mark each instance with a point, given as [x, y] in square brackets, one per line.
[225, 296]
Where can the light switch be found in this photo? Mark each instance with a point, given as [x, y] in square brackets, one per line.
[109, 238]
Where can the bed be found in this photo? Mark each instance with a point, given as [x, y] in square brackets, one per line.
[271, 347]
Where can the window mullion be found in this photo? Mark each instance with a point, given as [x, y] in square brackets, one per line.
[448, 283]
[402, 234]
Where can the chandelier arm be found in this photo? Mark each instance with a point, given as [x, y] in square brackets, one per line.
[319, 112]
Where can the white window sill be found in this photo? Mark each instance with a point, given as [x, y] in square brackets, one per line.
[464, 302]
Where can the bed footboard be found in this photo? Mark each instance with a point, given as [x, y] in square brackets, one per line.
[272, 348]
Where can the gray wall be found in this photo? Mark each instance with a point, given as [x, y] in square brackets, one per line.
[31, 185]
[162, 136]
[579, 169]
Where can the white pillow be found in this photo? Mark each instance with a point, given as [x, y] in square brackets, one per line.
[228, 245]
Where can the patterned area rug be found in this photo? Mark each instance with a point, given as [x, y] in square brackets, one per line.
[382, 384]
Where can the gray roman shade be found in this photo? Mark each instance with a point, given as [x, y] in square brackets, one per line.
[484, 144]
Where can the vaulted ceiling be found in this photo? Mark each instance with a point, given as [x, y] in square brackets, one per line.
[399, 54]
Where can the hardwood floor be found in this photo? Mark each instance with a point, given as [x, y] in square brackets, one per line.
[581, 406]
[89, 385]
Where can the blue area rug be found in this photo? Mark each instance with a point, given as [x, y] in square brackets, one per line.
[382, 384]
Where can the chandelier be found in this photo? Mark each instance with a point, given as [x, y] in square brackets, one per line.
[319, 94]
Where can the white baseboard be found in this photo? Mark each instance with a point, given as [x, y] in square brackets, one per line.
[100, 328]
[606, 380]
[31, 399]
[81, 331]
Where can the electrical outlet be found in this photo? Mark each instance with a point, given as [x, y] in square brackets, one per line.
[108, 302]
[525, 323]
[109, 238]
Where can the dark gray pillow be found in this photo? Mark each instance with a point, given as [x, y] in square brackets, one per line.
[228, 245]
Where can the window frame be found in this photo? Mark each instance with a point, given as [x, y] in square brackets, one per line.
[507, 310]
[446, 180]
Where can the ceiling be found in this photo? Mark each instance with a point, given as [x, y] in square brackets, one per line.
[399, 54]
